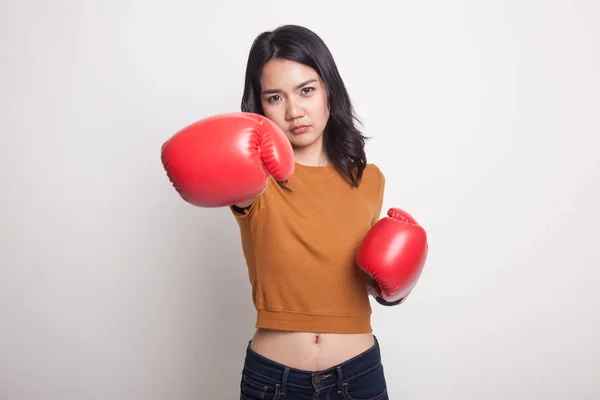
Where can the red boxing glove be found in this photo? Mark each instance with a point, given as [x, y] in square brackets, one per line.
[393, 253]
[221, 160]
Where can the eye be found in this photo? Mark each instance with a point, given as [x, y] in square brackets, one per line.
[273, 99]
[307, 90]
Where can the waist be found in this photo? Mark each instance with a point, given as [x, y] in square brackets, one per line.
[307, 350]
[335, 373]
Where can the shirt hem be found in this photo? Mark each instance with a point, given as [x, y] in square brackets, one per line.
[288, 321]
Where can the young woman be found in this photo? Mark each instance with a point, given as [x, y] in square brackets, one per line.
[313, 318]
[307, 225]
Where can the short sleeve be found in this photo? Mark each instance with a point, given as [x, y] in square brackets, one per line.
[243, 213]
[379, 199]
[257, 204]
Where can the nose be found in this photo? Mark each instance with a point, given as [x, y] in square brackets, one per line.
[293, 110]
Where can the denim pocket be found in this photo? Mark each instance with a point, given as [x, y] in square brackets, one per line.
[369, 385]
[252, 387]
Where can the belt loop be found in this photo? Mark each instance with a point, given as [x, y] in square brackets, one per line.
[339, 378]
[286, 372]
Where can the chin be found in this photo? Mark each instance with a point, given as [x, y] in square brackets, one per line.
[303, 140]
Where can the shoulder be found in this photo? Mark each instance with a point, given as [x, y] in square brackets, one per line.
[372, 175]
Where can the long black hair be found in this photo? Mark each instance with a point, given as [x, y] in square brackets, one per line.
[343, 142]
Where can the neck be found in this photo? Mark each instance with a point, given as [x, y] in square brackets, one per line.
[314, 156]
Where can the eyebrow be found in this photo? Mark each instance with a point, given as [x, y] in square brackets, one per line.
[271, 91]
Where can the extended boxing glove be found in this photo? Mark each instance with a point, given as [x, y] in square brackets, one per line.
[393, 253]
[224, 159]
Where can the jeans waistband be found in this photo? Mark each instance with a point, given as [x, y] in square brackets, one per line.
[336, 375]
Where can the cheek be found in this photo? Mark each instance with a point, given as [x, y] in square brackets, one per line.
[326, 110]
[276, 115]
[324, 106]
[322, 109]
[270, 111]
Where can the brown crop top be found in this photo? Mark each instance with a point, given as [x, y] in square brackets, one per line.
[300, 249]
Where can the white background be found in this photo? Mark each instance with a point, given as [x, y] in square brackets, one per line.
[484, 117]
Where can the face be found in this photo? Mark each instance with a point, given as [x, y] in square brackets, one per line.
[295, 98]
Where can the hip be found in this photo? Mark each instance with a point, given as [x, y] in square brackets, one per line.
[359, 377]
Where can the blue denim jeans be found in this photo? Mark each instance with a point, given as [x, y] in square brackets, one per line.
[360, 378]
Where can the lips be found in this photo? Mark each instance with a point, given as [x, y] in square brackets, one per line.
[300, 129]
